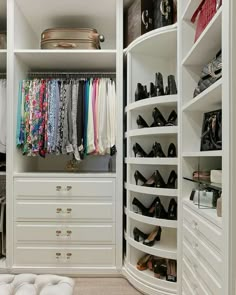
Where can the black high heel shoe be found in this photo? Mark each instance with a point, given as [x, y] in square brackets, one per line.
[137, 149]
[138, 176]
[153, 90]
[159, 84]
[141, 122]
[172, 151]
[171, 88]
[172, 119]
[155, 180]
[172, 210]
[138, 233]
[172, 180]
[150, 211]
[157, 150]
[160, 211]
[155, 235]
[141, 92]
[159, 120]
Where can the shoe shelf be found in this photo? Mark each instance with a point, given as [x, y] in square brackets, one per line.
[209, 214]
[162, 41]
[166, 100]
[152, 131]
[3, 60]
[147, 276]
[208, 43]
[152, 161]
[202, 154]
[152, 190]
[152, 220]
[208, 100]
[166, 247]
[82, 60]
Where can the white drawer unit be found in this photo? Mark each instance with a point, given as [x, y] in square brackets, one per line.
[65, 233]
[92, 187]
[87, 256]
[203, 228]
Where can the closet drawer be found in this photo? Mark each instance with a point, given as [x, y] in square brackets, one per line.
[84, 211]
[202, 250]
[87, 256]
[85, 187]
[203, 228]
[201, 271]
[65, 233]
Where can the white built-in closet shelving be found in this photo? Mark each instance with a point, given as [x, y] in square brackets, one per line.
[153, 52]
[203, 271]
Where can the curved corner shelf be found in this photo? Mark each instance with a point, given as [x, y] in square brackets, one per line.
[162, 40]
[208, 44]
[152, 190]
[147, 277]
[152, 131]
[202, 154]
[152, 220]
[3, 60]
[152, 161]
[166, 247]
[207, 100]
[166, 100]
[82, 60]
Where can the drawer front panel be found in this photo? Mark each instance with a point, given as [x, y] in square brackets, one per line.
[203, 228]
[203, 251]
[31, 210]
[65, 187]
[79, 256]
[61, 233]
[201, 271]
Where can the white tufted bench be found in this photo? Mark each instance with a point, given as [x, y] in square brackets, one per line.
[30, 284]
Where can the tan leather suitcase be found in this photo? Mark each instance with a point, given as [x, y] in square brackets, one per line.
[3, 40]
[71, 38]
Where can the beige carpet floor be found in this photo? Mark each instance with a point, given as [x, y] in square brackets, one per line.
[103, 286]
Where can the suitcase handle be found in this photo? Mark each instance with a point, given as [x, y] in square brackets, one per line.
[145, 18]
[65, 45]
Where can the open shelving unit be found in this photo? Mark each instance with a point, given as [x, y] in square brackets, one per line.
[155, 51]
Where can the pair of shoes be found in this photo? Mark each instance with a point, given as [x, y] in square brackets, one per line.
[158, 265]
[156, 209]
[148, 239]
[141, 92]
[171, 213]
[159, 120]
[155, 152]
[156, 180]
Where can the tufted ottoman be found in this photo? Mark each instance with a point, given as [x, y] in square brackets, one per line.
[30, 284]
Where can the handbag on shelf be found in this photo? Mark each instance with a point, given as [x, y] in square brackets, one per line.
[204, 14]
[164, 13]
[211, 72]
[71, 38]
[206, 197]
[211, 138]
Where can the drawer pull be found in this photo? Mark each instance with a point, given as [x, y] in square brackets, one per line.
[69, 232]
[194, 225]
[68, 255]
[58, 255]
[58, 233]
[69, 210]
[68, 188]
[58, 188]
[59, 210]
[195, 246]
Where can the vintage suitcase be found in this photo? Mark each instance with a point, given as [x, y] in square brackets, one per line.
[3, 40]
[165, 13]
[71, 38]
[138, 20]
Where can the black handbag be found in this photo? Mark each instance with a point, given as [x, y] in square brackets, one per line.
[211, 138]
[211, 72]
[164, 13]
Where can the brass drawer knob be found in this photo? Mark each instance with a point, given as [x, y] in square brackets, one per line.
[58, 255]
[58, 188]
[68, 188]
[58, 232]
[69, 210]
[59, 210]
[69, 232]
[68, 255]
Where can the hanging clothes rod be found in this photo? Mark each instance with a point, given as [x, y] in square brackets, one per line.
[73, 74]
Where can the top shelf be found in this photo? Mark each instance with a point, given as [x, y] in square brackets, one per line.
[162, 40]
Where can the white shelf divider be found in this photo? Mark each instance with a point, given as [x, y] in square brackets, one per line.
[152, 131]
[202, 154]
[152, 220]
[152, 161]
[152, 190]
